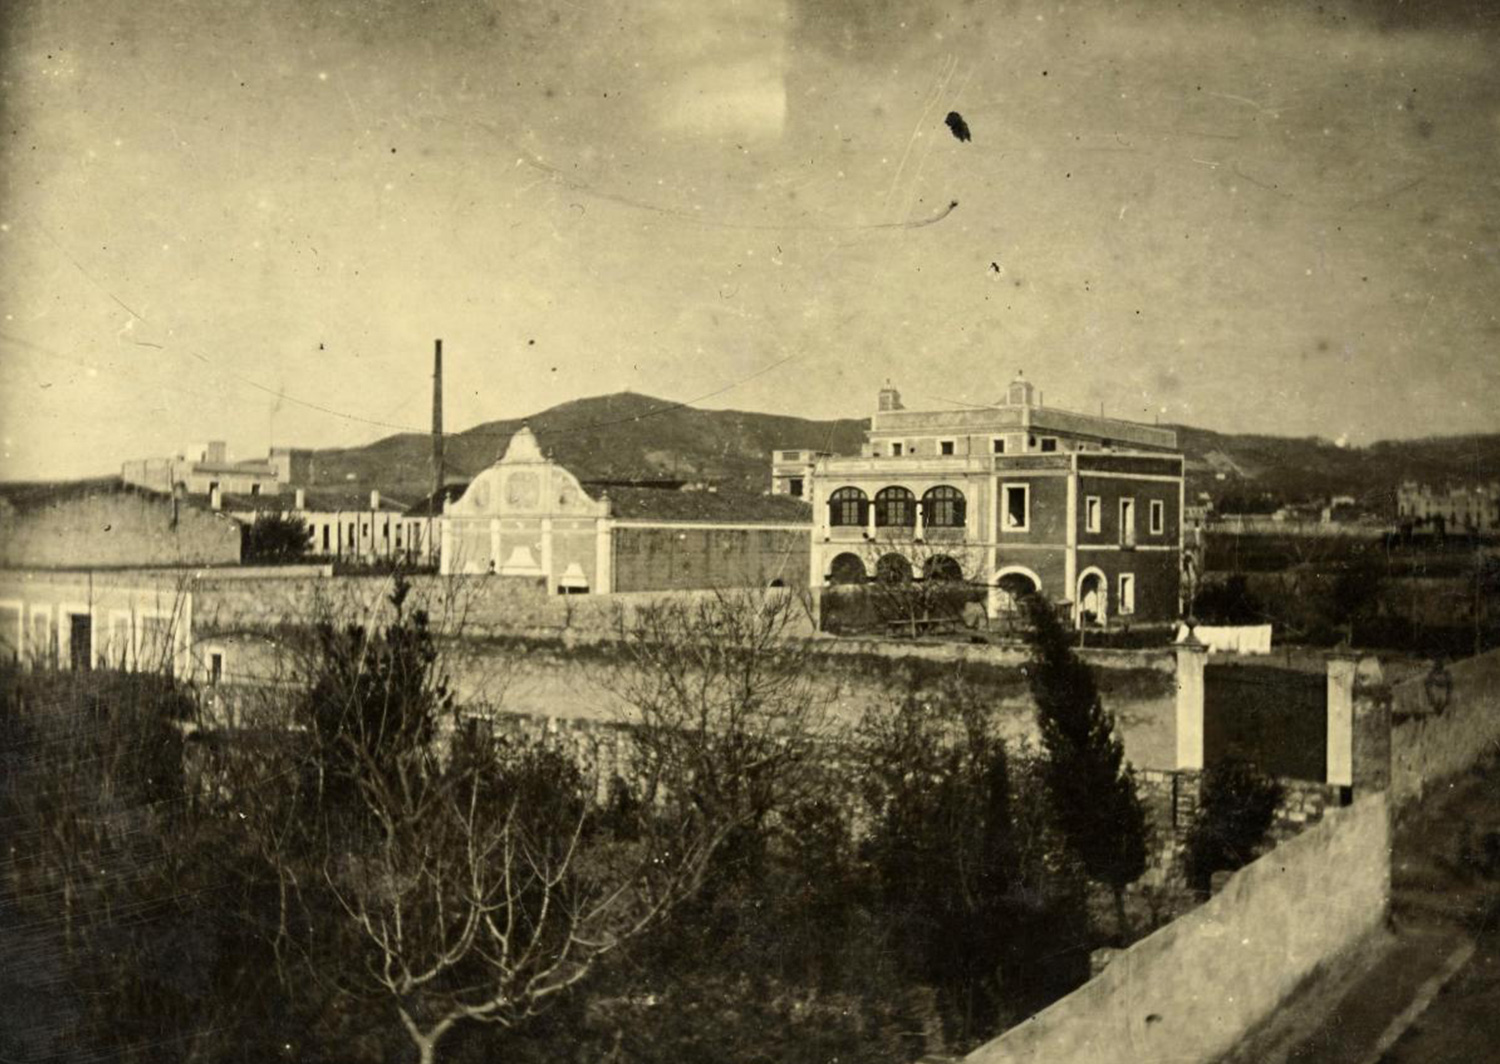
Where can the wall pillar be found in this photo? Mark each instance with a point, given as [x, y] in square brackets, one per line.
[603, 577]
[495, 559]
[1070, 558]
[547, 556]
[920, 527]
[1192, 658]
[445, 550]
[1340, 709]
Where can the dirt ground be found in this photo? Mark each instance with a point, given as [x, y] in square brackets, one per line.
[1428, 988]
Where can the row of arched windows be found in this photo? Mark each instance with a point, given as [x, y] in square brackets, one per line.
[942, 507]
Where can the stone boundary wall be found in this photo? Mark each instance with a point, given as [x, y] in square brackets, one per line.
[1170, 800]
[1188, 992]
[474, 605]
[1439, 727]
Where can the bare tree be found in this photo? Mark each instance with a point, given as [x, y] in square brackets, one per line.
[433, 866]
[725, 714]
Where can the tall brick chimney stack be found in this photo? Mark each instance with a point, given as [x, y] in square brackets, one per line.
[437, 423]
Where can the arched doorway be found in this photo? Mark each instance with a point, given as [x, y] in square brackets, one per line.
[942, 567]
[847, 569]
[1093, 598]
[893, 569]
[1012, 584]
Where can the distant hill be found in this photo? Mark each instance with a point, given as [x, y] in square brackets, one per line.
[620, 437]
[629, 437]
[1297, 469]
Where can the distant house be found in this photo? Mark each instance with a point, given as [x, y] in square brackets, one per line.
[527, 516]
[206, 468]
[71, 556]
[1464, 508]
[1014, 497]
[108, 524]
[791, 470]
[343, 523]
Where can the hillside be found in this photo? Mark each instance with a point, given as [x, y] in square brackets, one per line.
[622, 437]
[629, 437]
[1294, 469]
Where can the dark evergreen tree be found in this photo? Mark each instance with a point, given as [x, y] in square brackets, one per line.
[937, 786]
[276, 539]
[1236, 804]
[1091, 787]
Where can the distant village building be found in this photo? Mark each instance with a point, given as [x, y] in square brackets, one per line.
[207, 468]
[344, 524]
[63, 549]
[1014, 497]
[791, 470]
[527, 516]
[1466, 508]
[108, 525]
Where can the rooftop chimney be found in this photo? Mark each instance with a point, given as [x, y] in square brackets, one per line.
[437, 420]
[890, 399]
[374, 500]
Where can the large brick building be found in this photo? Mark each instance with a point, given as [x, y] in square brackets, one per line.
[1013, 497]
[528, 516]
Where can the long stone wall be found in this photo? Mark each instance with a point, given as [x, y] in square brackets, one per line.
[1189, 991]
[1442, 723]
[481, 605]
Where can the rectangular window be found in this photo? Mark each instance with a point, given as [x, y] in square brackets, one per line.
[119, 650]
[80, 641]
[1158, 517]
[41, 646]
[1049, 443]
[998, 444]
[215, 667]
[1015, 515]
[10, 633]
[364, 531]
[896, 449]
[254, 489]
[1127, 593]
[1091, 513]
[325, 539]
[946, 446]
[794, 487]
[351, 535]
[1127, 522]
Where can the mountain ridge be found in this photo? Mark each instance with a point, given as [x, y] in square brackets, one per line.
[630, 437]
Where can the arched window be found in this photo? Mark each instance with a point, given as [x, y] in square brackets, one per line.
[943, 507]
[847, 569]
[895, 508]
[893, 569]
[848, 506]
[942, 567]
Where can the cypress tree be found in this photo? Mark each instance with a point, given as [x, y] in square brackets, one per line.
[1091, 787]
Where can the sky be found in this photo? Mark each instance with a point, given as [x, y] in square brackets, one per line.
[249, 220]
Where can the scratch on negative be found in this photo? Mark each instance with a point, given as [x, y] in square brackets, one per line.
[712, 223]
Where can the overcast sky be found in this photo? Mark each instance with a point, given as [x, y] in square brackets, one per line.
[1263, 217]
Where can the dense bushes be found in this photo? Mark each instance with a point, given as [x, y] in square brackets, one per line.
[1236, 805]
[275, 539]
[910, 889]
